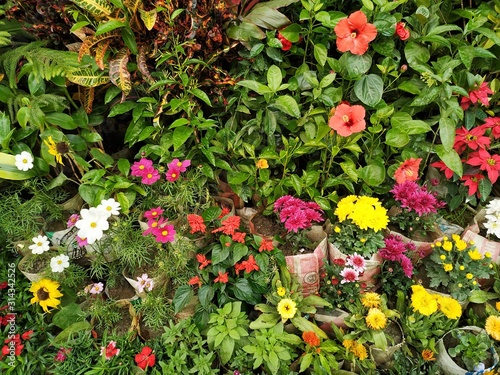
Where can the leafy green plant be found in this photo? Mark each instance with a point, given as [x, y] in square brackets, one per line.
[472, 348]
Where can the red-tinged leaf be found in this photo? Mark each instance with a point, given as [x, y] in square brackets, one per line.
[118, 73]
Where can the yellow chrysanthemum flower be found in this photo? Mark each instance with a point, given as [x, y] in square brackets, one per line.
[425, 303]
[442, 257]
[370, 300]
[376, 319]
[52, 149]
[428, 355]
[348, 344]
[287, 308]
[455, 237]
[475, 254]
[469, 276]
[345, 207]
[281, 291]
[497, 306]
[438, 244]
[492, 326]
[448, 267]
[418, 288]
[487, 254]
[461, 268]
[461, 245]
[360, 351]
[447, 245]
[45, 293]
[450, 307]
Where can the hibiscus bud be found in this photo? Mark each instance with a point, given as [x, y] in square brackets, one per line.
[404, 68]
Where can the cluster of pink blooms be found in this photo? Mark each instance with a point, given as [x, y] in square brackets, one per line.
[95, 288]
[158, 226]
[297, 214]
[149, 174]
[414, 197]
[71, 223]
[395, 250]
[354, 264]
[474, 147]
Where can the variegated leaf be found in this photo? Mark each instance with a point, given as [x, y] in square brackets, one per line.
[100, 51]
[88, 99]
[142, 66]
[132, 5]
[148, 17]
[92, 41]
[87, 77]
[99, 8]
[118, 73]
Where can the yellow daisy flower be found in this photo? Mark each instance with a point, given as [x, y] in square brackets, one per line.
[370, 300]
[281, 291]
[492, 326]
[45, 293]
[376, 319]
[359, 351]
[469, 276]
[447, 245]
[450, 307]
[448, 267]
[53, 148]
[287, 308]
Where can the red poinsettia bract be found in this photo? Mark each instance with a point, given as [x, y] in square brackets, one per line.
[354, 33]
[486, 162]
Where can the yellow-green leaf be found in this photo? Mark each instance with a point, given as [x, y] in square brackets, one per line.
[100, 8]
[148, 17]
[87, 77]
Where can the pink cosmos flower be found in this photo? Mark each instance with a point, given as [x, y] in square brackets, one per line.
[145, 283]
[150, 176]
[153, 213]
[357, 262]
[416, 198]
[95, 288]
[478, 94]
[173, 174]
[72, 220]
[110, 350]
[349, 275]
[81, 241]
[180, 165]
[164, 233]
[61, 354]
[138, 169]
[153, 225]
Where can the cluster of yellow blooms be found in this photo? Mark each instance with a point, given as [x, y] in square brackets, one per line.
[428, 303]
[356, 348]
[365, 212]
[375, 319]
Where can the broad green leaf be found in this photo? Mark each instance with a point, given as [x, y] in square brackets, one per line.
[274, 78]
[426, 97]
[358, 64]
[320, 54]
[200, 94]
[374, 173]
[451, 159]
[245, 32]
[291, 32]
[9, 171]
[447, 132]
[288, 105]
[490, 34]
[70, 331]
[417, 127]
[466, 54]
[259, 88]
[61, 119]
[226, 350]
[122, 108]
[415, 53]
[181, 135]
[219, 254]
[443, 29]
[369, 89]
[108, 26]
[183, 295]
[267, 17]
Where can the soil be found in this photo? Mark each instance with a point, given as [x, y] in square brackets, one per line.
[266, 226]
[122, 290]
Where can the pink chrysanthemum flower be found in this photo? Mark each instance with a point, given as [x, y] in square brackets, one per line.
[394, 248]
[138, 169]
[150, 176]
[180, 165]
[357, 262]
[349, 275]
[407, 266]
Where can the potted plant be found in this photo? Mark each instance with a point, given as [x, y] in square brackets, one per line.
[466, 350]
[358, 234]
[304, 254]
[455, 266]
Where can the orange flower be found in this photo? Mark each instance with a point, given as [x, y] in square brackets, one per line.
[354, 33]
[348, 119]
[310, 338]
[262, 164]
[229, 225]
[266, 245]
[428, 355]
[196, 223]
[401, 31]
[195, 281]
[407, 171]
[239, 237]
[222, 278]
[202, 259]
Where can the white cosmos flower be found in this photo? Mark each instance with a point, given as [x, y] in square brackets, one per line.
[40, 245]
[92, 224]
[24, 161]
[109, 207]
[59, 263]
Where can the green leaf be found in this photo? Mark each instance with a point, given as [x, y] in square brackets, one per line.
[61, 119]
[68, 315]
[369, 89]
[219, 254]
[9, 171]
[181, 135]
[447, 132]
[466, 54]
[288, 105]
[426, 97]
[226, 350]
[211, 213]
[200, 94]
[443, 29]
[124, 166]
[243, 291]
[291, 32]
[358, 64]
[108, 26]
[259, 88]
[415, 53]
[451, 159]
[86, 77]
[182, 296]
[490, 34]
[320, 54]
[481, 296]
[274, 78]
[64, 336]
[305, 362]
[103, 158]
[205, 295]
[374, 173]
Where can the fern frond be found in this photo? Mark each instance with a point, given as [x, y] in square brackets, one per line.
[4, 38]
[10, 60]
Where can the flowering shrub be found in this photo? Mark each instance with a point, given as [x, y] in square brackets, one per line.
[457, 265]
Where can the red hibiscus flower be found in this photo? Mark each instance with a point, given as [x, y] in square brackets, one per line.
[408, 170]
[486, 162]
[448, 173]
[222, 278]
[401, 31]
[472, 139]
[284, 42]
[472, 182]
[478, 94]
[348, 119]
[202, 259]
[145, 358]
[354, 33]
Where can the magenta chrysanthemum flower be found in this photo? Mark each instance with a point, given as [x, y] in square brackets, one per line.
[357, 262]
[164, 233]
[150, 176]
[280, 202]
[296, 222]
[139, 167]
[394, 248]
[407, 266]
[153, 213]
[416, 198]
[173, 174]
[180, 165]
[349, 275]
[402, 191]
[297, 214]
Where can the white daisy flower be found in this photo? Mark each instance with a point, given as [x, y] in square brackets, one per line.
[109, 207]
[92, 224]
[59, 263]
[40, 245]
[24, 161]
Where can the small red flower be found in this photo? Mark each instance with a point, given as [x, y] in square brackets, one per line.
[27, 335]
[202, 259]
[472, 181]
[478, 94]
[494, 124]
[224, 212]
[354, 33]
[286, 44]
[339, 261]
[195, 281]
[110, 350]
[222, 278]
[401, 31]
[266, 245]
[407, 171]
[239, 237]
[348, 119]
[145, 358]
[472, 139]
[310, 338]
[229, 225]
[196, 223]
[4, 285]
[448, 173]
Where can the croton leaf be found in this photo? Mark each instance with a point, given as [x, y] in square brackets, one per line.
[99, 8]
[118, 72]
[87, 77]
